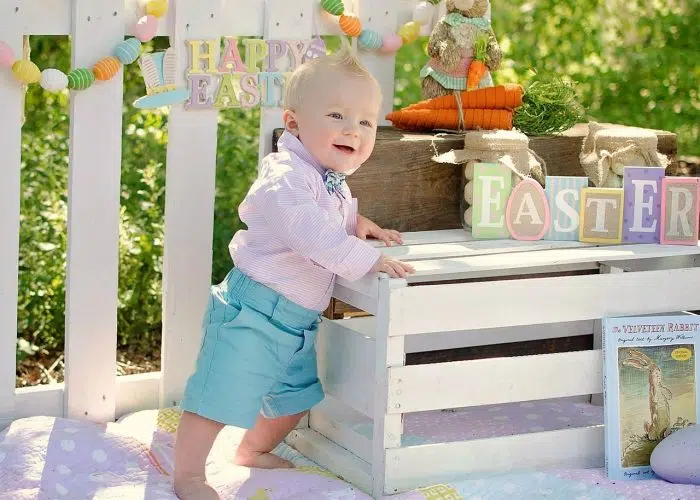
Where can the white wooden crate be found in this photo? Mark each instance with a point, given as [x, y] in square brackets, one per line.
[467, 293]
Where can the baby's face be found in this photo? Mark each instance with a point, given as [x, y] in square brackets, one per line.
[338, 121]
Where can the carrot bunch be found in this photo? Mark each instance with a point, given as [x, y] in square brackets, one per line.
[486, 108]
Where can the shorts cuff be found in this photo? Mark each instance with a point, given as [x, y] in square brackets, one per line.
[292, 403]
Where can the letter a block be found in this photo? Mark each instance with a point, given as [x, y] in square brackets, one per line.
[680, 197]
[492, 186]
[601, 215]
[564, 198]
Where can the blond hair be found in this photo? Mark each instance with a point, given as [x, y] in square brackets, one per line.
[344, 59]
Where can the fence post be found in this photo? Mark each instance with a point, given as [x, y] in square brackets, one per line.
[380, 17]
[93, 217]
[11, 93]
[284, 20]
[189, 206]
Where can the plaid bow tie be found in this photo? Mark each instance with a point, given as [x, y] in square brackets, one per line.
[334, 182]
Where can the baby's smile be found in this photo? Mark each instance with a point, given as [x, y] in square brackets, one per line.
[344, 148]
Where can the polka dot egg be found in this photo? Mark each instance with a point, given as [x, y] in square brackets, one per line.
[106, 68]
[128, 51]
[53, 80]
[26, 71]
[370, 40]
[350, 25]
[80, 79]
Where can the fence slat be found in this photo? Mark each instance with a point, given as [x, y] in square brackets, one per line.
[93, 218]
[284, 20]
[10, 144]
[189, 209]
[381, 17]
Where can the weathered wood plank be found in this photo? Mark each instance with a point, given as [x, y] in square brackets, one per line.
[401, 187]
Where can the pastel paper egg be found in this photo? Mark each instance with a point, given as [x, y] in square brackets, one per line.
[613, 181]
[469, 192]
[334, 7]
[618, 168]
[7, 57]
[26, 71]
[409, 32]
[80, 79]
[145, 29]
[350, 25]
[468, 214]
[369, 40]
[676, 458]
[157, 8]
[106, 68]
[53, 80]
[128, 50]
[527, 211]
[391, 43]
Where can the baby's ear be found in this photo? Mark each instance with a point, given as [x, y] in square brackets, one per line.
[290, 121]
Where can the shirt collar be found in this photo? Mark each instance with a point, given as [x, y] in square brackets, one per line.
[290, 143]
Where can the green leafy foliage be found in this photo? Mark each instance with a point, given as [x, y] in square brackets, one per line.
[633, 62]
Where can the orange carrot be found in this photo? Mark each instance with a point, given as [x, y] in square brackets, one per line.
[430, 119]
[477, 68]
[508, 96]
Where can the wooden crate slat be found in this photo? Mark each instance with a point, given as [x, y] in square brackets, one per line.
[430, 237]
[546, 259]
[423, 309]
[494, 381]
[416, 466]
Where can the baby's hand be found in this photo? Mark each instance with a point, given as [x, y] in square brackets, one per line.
[393, 267]
[367, 228]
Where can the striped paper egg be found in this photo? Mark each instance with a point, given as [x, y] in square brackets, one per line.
[369, 40]
[80, 79]
[334, 7]
[128, 51]
[26, 71]
[7, 56]
[106, 68]
[53, 80]
[350, 25]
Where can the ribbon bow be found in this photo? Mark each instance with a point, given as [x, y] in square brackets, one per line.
[334, 182]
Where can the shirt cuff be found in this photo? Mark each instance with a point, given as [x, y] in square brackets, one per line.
[361, 260]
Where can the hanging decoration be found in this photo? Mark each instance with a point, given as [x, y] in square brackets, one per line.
[371, 40]
[126, 52]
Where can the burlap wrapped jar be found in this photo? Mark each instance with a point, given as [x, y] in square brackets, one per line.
[508, 147]
[606, 151]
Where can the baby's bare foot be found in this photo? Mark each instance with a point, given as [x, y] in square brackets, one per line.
[262, 460]
[195, 489]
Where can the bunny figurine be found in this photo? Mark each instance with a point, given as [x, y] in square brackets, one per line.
[659, 395]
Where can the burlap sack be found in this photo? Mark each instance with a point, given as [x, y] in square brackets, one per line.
[509, 147]
[605, 151]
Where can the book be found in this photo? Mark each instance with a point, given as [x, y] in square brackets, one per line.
[651, 379]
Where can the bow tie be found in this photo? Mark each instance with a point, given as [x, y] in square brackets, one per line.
[334, 182]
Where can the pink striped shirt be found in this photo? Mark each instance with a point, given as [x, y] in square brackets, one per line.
[299, 236]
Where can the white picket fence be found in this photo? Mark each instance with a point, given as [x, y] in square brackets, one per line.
[91, 389]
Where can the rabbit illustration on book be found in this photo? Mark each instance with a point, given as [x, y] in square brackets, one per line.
[659, 395]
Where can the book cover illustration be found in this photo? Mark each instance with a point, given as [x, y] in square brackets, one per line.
[651, 387]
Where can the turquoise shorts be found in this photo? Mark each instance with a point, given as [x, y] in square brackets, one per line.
[257, 356]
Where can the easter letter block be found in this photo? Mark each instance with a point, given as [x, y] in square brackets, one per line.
[601, 215]
[527, 212]
[492, 186]
[564, 198]
[680, 197]
[640, 216]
